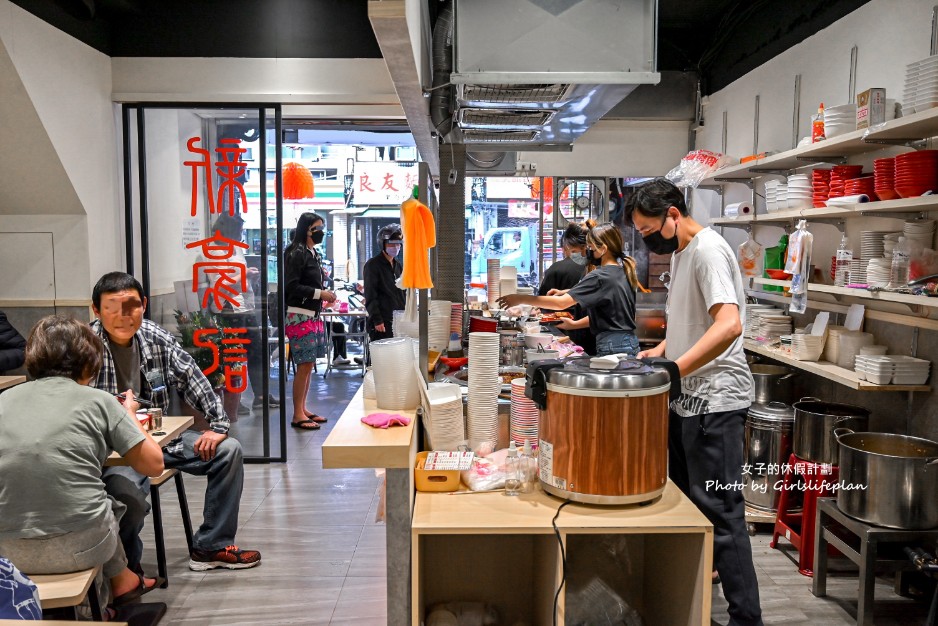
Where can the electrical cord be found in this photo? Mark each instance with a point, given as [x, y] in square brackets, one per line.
[563, 558]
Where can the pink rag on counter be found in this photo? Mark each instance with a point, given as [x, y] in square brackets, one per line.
[384, 420]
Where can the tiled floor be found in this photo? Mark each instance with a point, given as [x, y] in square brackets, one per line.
[324, 555]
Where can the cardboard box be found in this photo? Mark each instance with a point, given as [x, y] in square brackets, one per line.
[871, 107]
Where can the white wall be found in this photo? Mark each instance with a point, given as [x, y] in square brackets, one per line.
[617, 148]
[69, 84]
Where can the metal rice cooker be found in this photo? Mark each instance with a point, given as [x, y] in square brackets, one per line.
[888, 480]
[767, 448]
[815, 422]
[604, 432]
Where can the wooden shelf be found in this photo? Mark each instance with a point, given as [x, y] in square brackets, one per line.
[353, 444]
[905, 205]
[908, 128]
[824, 369]
[863, 294]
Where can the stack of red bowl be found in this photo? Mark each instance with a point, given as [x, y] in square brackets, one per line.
[859, 185]
[839, 175]
[916, 173]
[821, 183]
[884, 175]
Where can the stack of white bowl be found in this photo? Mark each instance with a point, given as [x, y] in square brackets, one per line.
[920, 233]
[484, 386]
[403, 328]
[921, 85]
[781, 197]
[368, 385]
[392, 362]
[850, 344]
[898, 370]
[493, 276]
[840, 120]
[771, 196]
[878, 272]
[439, 325]
[508, 283]
[807, 347]
[445, 425]
[524, 415]
[872, 246]
[800, 192]
[832, 346]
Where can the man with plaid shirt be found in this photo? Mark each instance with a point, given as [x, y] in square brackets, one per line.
[145, 358]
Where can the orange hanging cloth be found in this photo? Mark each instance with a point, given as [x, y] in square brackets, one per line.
[419, 236]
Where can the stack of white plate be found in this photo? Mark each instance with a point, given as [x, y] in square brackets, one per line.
[753, 311]
[920, 232]
[878, 272]
[524, 415]
[493, 277]
[484, 386]
[767, 322]
[392, 362]
[446, 426]
[898, 370]
[771, 196]
[832, 346]
[800, 192]
[455, 320]
[850, 343]
[402, 328]
[872, 246]
[921, 85]
[839, 120]
[857, 272]
[807, 347]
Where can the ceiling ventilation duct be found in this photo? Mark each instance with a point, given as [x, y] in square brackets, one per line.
[536, 74]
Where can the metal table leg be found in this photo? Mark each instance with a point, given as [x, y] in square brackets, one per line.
[867, 564]
[819, 586]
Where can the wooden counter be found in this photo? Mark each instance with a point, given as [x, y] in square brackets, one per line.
[503, 550]
[352, 444]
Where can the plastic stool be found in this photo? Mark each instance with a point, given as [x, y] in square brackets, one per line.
[799, 528]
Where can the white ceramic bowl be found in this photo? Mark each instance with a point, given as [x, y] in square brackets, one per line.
[534, 355]
[533, 340]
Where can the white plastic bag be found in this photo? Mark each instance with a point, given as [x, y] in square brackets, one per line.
[749, 254]
[798, 264]
[486, 474]
[696, 166]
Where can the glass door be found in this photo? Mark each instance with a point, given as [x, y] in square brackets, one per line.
[204, 235]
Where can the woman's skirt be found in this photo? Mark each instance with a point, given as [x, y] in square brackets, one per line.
[307, 335]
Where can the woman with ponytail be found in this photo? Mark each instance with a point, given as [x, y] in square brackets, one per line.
[607, 293]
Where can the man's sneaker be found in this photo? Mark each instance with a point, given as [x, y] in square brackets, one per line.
[272, 402]
[231, 557]
[341, 361]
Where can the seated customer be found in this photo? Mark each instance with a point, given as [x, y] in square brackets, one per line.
[146, 358]
[12, 345]
[55, 434]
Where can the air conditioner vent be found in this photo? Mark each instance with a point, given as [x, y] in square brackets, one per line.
[514, 94]
[472, 135]
[503, 117]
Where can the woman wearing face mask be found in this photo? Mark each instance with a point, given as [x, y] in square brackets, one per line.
[563, 275]
[304, 295]
[607, 294]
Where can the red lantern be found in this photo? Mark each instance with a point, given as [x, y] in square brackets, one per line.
[297, 182]
[548, 190]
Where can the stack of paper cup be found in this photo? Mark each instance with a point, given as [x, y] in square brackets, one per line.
[524, 415]
[395, 375]
[494, 275]
[484, 387]
[402, 328]
[446, 424]
[455, 321]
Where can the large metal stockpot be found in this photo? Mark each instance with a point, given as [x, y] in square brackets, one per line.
[888, 480]
[604, 432]
[815, 422]
[768, 446]
[773, 383]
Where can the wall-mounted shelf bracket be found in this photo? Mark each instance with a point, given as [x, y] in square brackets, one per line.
[833, 160]
[770, 170]
[716, 188]
[742, 181]
[915, 143]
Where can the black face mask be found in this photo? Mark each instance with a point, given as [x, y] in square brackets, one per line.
[318, 236]
[591, 257]
[659, 244]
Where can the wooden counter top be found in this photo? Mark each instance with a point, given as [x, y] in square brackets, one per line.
[352, 444]
[496, 513]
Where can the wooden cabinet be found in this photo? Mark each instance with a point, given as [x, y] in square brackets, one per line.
[504, 551]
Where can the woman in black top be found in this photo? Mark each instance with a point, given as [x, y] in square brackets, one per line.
[607, 293]
[304, 295]
[566, 273]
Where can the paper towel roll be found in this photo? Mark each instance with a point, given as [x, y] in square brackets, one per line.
[737, 208]
[858, 199]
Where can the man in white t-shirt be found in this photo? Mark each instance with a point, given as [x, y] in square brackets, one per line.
[705, 312]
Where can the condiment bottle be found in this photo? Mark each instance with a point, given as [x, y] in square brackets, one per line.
[528, 467]
[513, 473]
[817, 125]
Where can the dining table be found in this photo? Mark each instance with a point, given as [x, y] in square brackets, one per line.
[173, 426]
[11, 381]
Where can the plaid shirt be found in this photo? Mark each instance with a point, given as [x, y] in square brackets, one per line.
[163, 363]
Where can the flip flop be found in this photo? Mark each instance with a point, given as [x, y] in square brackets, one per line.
[305, 425]
[319, 419]
[138, 591]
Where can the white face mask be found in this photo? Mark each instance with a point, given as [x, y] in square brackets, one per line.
[578, 258]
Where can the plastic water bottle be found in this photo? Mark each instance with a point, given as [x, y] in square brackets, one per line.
[528, 467]
[514, 478]
[842, 262]
[899, 277]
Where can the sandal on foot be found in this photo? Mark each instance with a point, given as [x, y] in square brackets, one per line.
[138, 591]
[312, 417]
[305, 425]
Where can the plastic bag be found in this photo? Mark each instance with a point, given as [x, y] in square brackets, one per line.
[486, 474]
[798, 264]
[696, 166]
[749, 254]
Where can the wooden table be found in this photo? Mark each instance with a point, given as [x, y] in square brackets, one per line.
[11, 381]
[173, 426]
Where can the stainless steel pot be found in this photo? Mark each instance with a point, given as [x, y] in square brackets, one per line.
[888, 480]
[773, 383]
[768, 445]
[814, 428]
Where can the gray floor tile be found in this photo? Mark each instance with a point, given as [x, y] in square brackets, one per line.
[362, 597]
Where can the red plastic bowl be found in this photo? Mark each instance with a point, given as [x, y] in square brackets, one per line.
[778, 274]
[454, 364]
[886, 194]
